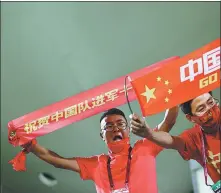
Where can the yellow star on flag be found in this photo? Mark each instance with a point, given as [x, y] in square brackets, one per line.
[166, 100]
[169, 91]
[166, 82]
[149, 93]
[158, 79]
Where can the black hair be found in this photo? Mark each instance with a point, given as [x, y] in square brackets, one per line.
[186, 107]
[113, 111]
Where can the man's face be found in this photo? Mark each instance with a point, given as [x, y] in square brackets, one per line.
[114, 128]
[202, 111]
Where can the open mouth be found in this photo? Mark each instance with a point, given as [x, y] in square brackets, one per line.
[117, 138]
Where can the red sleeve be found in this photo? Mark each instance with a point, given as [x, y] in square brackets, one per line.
[190, 148]
[87, 166]
[152, 147]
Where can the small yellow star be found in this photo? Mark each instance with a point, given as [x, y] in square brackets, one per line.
[149, 93]
[166, 100]
[166, 82]
[169, 91]
[158, 79]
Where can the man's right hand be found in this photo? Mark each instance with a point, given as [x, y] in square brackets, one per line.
[27, 147]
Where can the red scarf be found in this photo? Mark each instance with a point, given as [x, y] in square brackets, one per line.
[119, 147]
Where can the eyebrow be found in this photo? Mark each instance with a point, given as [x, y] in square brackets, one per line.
[119, 120]
[209, 99]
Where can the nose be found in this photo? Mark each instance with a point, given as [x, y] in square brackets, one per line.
[115, 128]
[208, 111]
[208, 108]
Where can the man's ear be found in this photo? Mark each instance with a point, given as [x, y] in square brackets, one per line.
[190, 118]
[101, 135]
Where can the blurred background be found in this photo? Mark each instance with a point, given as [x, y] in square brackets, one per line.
[53, 50]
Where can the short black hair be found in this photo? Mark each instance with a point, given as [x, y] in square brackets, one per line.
[113, 111]
[186, 107]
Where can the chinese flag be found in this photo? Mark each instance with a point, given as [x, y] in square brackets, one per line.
[180, 80]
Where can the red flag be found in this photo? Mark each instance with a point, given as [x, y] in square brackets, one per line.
[74, 108]
[179, 81]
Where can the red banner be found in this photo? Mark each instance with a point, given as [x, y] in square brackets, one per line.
[180, 80]
[75, 108]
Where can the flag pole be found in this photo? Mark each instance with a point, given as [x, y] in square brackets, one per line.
[126, 93]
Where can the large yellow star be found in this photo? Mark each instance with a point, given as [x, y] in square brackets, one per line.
[149, 93]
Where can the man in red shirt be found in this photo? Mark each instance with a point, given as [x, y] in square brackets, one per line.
[201, 143]
[124, 169]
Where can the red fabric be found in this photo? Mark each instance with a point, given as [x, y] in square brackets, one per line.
[142, 173]
[165, 87]
[19, 161]
[119, 147]
[193, 150]
[74, 108]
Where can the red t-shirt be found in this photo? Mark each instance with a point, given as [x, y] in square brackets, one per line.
[193, 150]
[142, 178]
